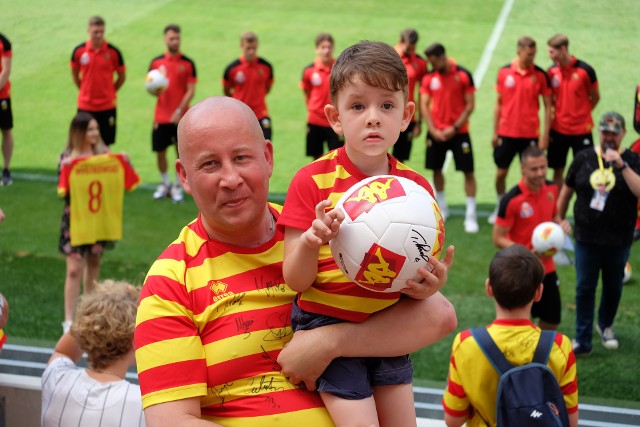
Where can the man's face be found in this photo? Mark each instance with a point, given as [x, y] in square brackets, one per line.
[172, 40]
[557, 55]
[526, 55]
[324, 50]
[438, 63]
[534, 171]
[611, 140]
[407, 48]
[225, 164]
[96, 34]
[249, 50]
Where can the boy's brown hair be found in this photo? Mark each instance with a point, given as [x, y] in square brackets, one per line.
[377, 64]
[514, 275]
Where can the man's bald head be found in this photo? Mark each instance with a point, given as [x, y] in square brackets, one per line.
[216, 112]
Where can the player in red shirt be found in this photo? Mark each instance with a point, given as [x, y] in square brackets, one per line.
[575, 95]
[635, 147]
[519, 86]
[446, 101]
[416, 69]
[249, 79]
[6, 116]
[315, 85]
[171, 106]
[93, 65]
[531, 202]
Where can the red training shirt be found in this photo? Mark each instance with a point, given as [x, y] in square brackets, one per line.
[249, 82]
[5, 52]
[315, 83]
[571, 86]
[416, 69]
[97, 66]
[181, 72]
[519, 91]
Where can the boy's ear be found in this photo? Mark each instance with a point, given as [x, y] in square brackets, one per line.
[407, 114]
[487, 288]
[538, 294]
[331, 112]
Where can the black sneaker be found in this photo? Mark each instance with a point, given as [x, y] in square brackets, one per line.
[579, 350]
[6, 177]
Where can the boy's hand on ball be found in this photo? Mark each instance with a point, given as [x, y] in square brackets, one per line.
[325, 227]
[432, 281]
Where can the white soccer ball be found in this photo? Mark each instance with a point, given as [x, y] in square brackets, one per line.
[392, 227]
[156, 81]
[547, 238]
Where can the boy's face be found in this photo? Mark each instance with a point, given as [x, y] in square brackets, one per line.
[371, 119]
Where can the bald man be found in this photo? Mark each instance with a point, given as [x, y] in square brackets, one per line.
[214, 310]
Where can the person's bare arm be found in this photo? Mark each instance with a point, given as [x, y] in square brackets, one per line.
[75, 75]
[496, 119]
[594, 96]
[302, 247]
[184, 103]
[500, 238]
[6, 71]
[425, 100]
[67, 346]
[573, 419]
[120, 80]
[452, 421]
[397, 330]
[563, 200]
[4, 308]
[180, 413]
[544, 137]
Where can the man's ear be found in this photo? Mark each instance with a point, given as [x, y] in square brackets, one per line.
[182, 176]
[331, 112]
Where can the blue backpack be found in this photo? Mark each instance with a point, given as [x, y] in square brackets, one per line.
[528, 395]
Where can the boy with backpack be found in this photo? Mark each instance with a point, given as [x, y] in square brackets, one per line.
[536, 394]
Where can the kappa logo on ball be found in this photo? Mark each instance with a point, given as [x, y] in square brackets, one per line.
[379, 268]
[369, 194]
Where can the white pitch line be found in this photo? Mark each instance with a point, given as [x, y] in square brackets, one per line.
[485, 59]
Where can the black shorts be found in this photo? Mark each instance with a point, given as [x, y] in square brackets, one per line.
[548, 309]
[107, 122]
[402, 147]
[6, 116]
[353, 377]
[508, 147]
[559, 144]
[163, 136]
[317, 135]
[459, 144]
[265, 124]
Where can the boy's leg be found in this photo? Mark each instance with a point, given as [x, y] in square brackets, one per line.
[395, 405]
[348, 412]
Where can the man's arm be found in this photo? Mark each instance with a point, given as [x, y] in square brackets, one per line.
[452, 421]
[394, 331]
[469, 105]
[563, 201]
[594, 96]
[120, 80]
[496, 119]
[425, 100]
[179, 413]
[544, 137]
[6, 71]
[184, 103]
[75, 75]
[500, 238]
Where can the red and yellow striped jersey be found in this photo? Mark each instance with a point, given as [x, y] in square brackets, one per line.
[473, 381]
[334, 294]
[211, 322]
[96, 187]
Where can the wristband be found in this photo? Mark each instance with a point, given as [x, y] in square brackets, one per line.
[456, 127]
[623, 167]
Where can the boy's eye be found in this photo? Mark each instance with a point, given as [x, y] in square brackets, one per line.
[387, 106]
[358, 107]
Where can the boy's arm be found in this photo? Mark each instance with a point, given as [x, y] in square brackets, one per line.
[301, 248]
[397, 330]
[452, 421]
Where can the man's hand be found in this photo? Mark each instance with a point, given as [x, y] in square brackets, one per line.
[434, 277]
[306, 356]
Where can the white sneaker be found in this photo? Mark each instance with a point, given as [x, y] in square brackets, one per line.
[161, 192]
[471, 225]
[609, 340]
[493, 216]
[176, 193]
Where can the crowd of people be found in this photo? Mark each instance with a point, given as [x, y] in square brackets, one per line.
[269, 330]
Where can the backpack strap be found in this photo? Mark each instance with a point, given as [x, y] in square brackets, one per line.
[491, 350]
[543, 349]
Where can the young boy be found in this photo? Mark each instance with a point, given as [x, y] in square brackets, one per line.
[515, 282]
[368, 86]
